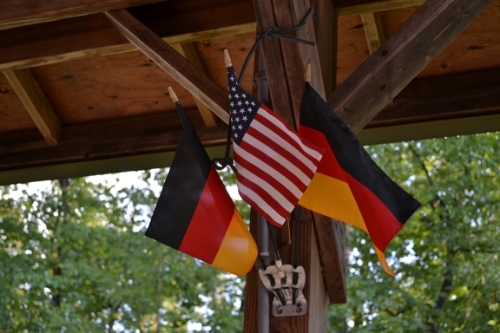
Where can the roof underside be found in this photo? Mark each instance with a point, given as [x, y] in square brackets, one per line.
[113, 106]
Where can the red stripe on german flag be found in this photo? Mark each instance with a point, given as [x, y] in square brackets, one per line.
[216, 233]
[195, 214]
[348, 186]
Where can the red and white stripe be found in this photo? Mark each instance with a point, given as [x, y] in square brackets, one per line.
[274, 166]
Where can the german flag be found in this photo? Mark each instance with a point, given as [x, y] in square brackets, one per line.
[195, 214]
[348, 186]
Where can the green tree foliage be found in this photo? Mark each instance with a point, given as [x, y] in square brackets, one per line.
[73, 258]
[447, 254]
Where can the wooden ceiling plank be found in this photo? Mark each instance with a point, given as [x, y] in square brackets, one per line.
[181, 70]
[92, 36]
[34, 100]
[398, 61]
[373, 31]
[351, 8]
[445, 97]
[53, 42]
[325, 29]
[435, 107]
[18, 13]
[156, 133]
[188, 51]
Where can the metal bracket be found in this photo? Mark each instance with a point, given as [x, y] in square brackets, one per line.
[286, 283]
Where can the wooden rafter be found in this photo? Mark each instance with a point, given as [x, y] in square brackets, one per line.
[35, 102]
[359, 7]
[17, 13]
[198, 84]
[325, 29]
[189, 52]
[92, 36]
[450, 105]
[386, 72]
[103, 140]
[373, 31]
[88, 36]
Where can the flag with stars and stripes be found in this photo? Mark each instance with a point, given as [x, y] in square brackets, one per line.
[274, 165]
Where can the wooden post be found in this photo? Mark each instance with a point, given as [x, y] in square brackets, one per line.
[285, 62]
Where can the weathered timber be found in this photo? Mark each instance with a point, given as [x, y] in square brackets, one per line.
[293, 61]
[386, 72]
[36, 103]
[359, 7]
[440, 98]
[250, 308]
[17, 13]
[104, 140]
[197, 83]
[176, 22]
[285, 62]
[93, 36]
[453, 103]
[373, 31]
[189, 52]
[326, 34]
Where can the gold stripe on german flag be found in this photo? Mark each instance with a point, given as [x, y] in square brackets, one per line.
[348, 186]
[195, 214]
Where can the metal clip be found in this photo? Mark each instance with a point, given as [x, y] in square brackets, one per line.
[286, 283]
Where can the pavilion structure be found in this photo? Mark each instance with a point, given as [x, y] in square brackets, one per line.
[84, 89]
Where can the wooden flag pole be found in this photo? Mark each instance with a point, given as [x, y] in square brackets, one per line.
[308, 73]
[172, 94]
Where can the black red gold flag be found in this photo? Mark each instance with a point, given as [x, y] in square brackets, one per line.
[348, 186]
[195, 214]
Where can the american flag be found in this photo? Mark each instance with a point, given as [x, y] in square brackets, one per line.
[274, 166]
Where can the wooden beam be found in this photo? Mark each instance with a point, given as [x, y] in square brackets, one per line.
[325, 29]
[359, 7]
[373, 31]
[17, 13]
[198, 84]
[441, 98]
[96, 167]
[433, 107]
[188, 51]
[430, 129]
[90, 36]
[386, 72]
[285, 62]
[93, 36]
[35, 102]
[152, 134]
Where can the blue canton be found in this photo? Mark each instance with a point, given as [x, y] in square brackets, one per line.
[243, 107]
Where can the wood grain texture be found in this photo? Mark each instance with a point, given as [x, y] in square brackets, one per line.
[36, 103]
[198, 84]
[331, 245]
[251, 300]
[359, 7]
[107, 139]
[326, 34]
[374, 31]
[12, 114]
[440, 98]
[285, 62]
[379, 79]
[17, 13]
[189, 52]
[93, 36]
[314, 289]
